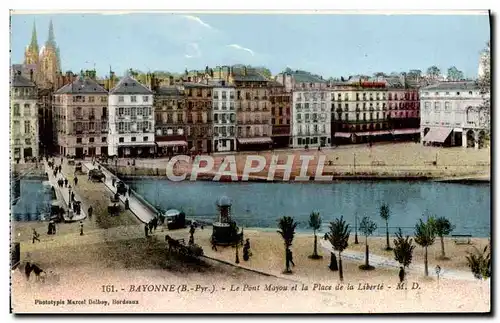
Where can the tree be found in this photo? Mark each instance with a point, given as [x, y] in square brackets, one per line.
[485, 87]
[379, 74]
[425, 236]
[433, 71]
[385, 214]
[403, 249]
[315, 224]
[415, 74]
[443, 227]
[287, 227]
[480, 263]
[454, 74]
[367, 227]
[339, 238]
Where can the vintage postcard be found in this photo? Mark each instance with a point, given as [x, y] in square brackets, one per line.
[250, 162]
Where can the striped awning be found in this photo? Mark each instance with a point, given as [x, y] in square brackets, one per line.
[437, 134]
[405, 131]
[172, 143]
[343, 134]
[373, 133]
[255, 140]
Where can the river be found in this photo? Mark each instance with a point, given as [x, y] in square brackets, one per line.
[260, 205]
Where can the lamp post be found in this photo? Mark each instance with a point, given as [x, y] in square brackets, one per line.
[356, 230]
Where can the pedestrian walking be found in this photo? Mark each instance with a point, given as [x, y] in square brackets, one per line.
[61, 160]
[126, 204]
[113, 180]
[81, 228]
[76, 180]
[65, 182]
[36, 236]
[214, 245]
[72, 196]
[129, 191]
[146, 230]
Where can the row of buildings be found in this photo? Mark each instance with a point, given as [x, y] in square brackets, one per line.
[229, 108]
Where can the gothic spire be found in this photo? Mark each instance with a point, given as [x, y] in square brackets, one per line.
[34, 42]
[52, 39]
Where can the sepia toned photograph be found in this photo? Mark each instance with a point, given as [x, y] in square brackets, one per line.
[250, 162]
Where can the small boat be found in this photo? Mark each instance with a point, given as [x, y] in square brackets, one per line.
[175, 219]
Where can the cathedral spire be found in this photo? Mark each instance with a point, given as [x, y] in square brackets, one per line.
[34, 42]
[52, 39]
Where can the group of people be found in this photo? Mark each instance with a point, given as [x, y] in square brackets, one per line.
[62, 182]
[150, 226]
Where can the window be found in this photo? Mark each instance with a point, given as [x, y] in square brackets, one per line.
[346, 116]
[447, 106]
[437, 106]
[78, 140]
[121, 99]
[91, 139]
[91, 99]
[27, 141]
[103, 139]
[427, 106]
[104, 99]
[133, 98]
[120, 139]
[458, 93]
[27, 110]
[145, 138]
[17, 111]
[27, 126]
[145, 98]
[132, 139]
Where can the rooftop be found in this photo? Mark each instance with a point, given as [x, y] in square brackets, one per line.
[169, 91]
[468, 85]
[129, 85]
[21, 81]
[82, 86]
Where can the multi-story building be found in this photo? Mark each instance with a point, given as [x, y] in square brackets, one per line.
[131, 120]
[453, 114]
[224, 117]
[310, 108]
[80, 112]
[24, 118]
[281, 103]
[311, 118]
[170, 119]
[403, 114]
[198, 116]
[359, 111]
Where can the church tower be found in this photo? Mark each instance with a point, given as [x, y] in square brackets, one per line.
[31, 54]
[50, 62]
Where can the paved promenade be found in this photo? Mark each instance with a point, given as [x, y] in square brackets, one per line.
[63, 193]
[137, 207]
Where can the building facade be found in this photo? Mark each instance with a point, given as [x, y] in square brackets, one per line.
[281, 112]
[198, 98]
[311, 119]
[131, 120]
[170, 120]
[224, 117]
[403, 104]
[24, 118]
[453, 114]
[360, 112]
[80, 118]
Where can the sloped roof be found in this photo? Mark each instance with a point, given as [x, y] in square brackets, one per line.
[248, 74]
[305, 77]
[168, 91]
[82, 86]
[129, 85]
[21, 81]
[193, 84]
[453, 86]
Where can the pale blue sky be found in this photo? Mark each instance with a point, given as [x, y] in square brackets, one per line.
[330, 45]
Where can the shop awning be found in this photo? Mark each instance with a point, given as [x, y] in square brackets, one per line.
[255, 140]
[437, 134]
[136, 144]
[373, 133]
[343, 134]
[172, 143]
[405, 131]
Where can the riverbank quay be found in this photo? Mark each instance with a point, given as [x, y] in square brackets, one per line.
[398, 161]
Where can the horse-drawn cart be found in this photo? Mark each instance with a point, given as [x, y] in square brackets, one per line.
[179, 246]
[96, 175]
